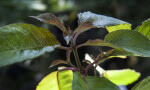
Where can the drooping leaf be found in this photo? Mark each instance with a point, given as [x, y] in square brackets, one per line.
[84, 27]
[143, 85]
[56, 62]
[102, 21]
[118, 27]
[78, 82]
[131, 41]
[96, 42]
[57, 81]
[51, 19]
[100, 83]
[144, 28]
[122, 77]
[19, 42]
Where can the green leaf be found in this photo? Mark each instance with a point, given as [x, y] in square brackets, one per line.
[131, 41]
[100, 83]
[118, 53]
[93, 83]
[143, 85]
[144, 28]
[19, 42]
[78, 82]
[122, 77]
[51, 19]
[118, 27]
[57, 81]
[102, 21]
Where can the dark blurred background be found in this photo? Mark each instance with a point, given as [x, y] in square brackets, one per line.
[26, 75]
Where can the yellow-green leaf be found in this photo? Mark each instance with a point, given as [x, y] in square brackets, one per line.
[122, 77]
[144, 28]
[57, 81]
[118, 27]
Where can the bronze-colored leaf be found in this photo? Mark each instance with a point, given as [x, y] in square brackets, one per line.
[96, 42]
[51, 19]
[84, 27]
[56, 62]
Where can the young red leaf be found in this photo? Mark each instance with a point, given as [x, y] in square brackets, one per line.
[84, 27]
[51, 19]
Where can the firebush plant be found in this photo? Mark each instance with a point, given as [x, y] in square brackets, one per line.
[20, 42]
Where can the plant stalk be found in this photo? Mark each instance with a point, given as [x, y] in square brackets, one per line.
[77, 59]
[74, 49]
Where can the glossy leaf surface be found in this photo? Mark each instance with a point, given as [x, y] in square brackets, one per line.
[122, 77]
[100, 20]
[131, 41]
[143, 85]
[145, 28]
[19, 42]
[57, 81]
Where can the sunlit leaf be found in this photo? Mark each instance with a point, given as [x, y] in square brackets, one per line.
[57, 81]
[144, 28]
[118, 27]
[118, 77]
[143, 85]
[56, 62]
[131, 41]
[51, 19]
[19, 42]
[102, 21]
[122, 77]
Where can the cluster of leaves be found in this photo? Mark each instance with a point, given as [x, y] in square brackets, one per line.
[19, 42]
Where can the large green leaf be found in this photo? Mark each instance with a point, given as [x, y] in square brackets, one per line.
[145, 28]
[122, 77]
[102, 21]
[57, 81]
[143, 85]
[100, 83]
[78, 82]
[93, 83]
[19, 42]
[131, 41]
